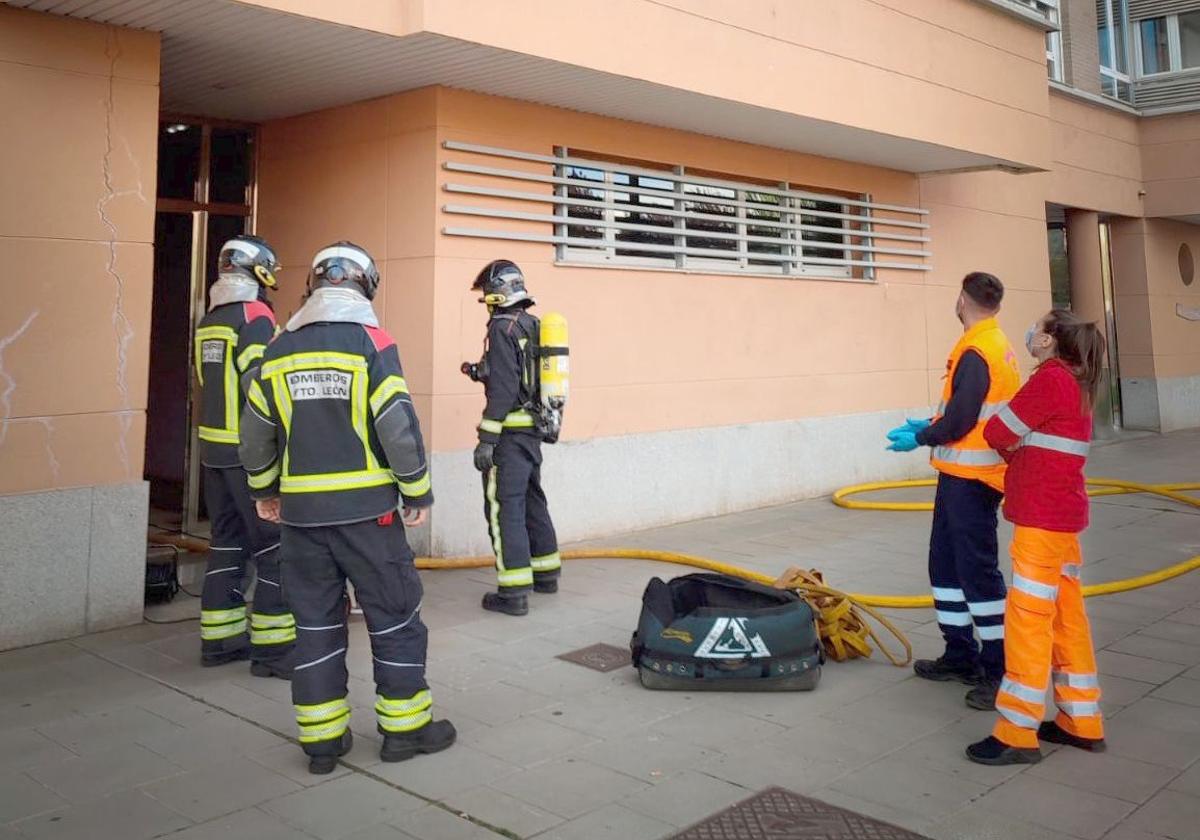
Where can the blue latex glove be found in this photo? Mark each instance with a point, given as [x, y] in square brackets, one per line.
[915, 426]
[903, 440]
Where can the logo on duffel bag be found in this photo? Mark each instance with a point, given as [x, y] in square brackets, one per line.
[728, 639]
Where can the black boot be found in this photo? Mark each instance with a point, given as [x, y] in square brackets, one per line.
[319, 765]
[548, 586]
[992, 750]
[211, 660]
[507, 604]
[983, 696]
[1055, 734]
[430, 738]
[280, 668]
[942, 670]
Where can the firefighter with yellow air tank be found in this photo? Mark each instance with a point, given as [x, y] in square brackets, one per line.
[524, 371]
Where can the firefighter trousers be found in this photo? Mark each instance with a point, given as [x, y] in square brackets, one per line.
[378, 561]
[1047, 639]
[239, 537]
[518, 518]
[968, 589]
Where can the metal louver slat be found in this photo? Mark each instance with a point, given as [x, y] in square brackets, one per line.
[606, 212]
[1145, 9]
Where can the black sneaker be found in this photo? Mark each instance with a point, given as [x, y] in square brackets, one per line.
[507, 604]
[1055, 734]
[993, 751]
[430, 738]
[548, 587]
[212, 660]
[940, 670]
[983, 696]
[319, 765]
[280, 668]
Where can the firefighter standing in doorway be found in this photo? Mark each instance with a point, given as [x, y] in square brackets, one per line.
[229, 343]
[968, 589]
[332, 444]
[509, 453]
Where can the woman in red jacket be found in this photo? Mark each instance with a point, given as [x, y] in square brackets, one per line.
[1044, 434]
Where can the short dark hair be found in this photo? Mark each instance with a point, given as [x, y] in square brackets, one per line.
[984, 289]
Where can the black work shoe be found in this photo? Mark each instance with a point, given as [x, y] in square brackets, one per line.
[992, 750]
[548, 587]
[507, 604]
[278, 668]
[940, 670]
[1055, 734]
[430, 738]
[983, 696]
[211, 660]
[319, 765]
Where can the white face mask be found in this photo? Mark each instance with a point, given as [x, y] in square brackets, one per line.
[1029, 334]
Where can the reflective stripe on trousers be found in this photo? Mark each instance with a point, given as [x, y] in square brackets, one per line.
[1046, 624]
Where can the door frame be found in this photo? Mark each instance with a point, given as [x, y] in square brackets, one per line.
[201, 208]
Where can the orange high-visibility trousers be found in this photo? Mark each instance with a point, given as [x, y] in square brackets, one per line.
[1046, 636]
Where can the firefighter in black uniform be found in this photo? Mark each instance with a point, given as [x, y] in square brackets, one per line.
[509, 453]
[229, 343]
[331, 443]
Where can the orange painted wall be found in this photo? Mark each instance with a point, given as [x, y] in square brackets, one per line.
[1171, 164]
[76, 235]
[364, 172]
[883, 66]
[658, 350]
[1097, 157]
[1158, 342]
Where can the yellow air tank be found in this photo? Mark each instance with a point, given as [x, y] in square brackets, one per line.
[554, 376]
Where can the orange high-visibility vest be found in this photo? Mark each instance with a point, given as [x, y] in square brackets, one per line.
[971, 457]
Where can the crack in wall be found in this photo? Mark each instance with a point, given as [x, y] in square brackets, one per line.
[10, 384]
[126, 421]
[121, 324]
[51, 458]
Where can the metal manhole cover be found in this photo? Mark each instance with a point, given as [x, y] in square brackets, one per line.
[599, 657]
[778, 814]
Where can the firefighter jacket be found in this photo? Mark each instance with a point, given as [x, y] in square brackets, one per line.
[329, 425]
[510, 362]
[230, 341]
[1044, 434]
[970, 456]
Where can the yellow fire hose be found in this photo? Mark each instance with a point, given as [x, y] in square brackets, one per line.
[843, 631]
[1097, 487]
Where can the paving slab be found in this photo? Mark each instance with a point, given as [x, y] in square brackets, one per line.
[612, 822]
[221, 789]
[337, 809]
[1057, 807]
[129, 815]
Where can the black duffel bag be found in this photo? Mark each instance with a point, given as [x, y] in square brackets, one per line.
[711, 632]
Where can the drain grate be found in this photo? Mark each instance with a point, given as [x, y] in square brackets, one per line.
[600, 657]
[778, 814]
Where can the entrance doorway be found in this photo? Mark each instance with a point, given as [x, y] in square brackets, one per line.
[205, 196]
[1082, 281]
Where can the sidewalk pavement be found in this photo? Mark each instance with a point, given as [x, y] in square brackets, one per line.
[123, 735]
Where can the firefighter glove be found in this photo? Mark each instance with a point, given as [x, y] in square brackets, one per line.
[484, 453]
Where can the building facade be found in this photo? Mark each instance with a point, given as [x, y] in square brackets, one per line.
[755, 217]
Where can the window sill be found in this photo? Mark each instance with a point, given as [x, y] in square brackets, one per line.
[713, 272]
[1094, 98]
[1042, 20]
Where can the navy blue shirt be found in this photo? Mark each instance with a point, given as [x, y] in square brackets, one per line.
[967, 393]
